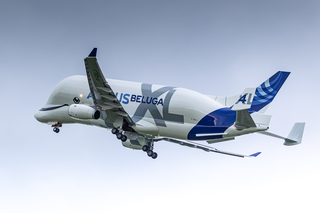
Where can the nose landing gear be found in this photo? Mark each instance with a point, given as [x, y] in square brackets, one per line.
[56, 127]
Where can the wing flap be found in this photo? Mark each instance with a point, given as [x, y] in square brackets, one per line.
[205, 148]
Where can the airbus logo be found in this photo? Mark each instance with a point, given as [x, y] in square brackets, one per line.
[125, 98]
[244, 99]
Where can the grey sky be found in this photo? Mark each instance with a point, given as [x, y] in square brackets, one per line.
[213, 47]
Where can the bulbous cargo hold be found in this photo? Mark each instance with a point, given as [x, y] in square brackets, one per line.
[140, 114]
[81, 111]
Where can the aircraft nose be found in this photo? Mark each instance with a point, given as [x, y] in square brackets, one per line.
[38, 115]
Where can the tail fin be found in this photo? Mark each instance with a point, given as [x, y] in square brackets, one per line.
[267, 91]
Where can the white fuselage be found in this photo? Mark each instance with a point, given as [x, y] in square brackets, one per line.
[139, 114]
[159, 110]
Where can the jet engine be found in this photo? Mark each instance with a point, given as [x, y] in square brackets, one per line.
[81, 111]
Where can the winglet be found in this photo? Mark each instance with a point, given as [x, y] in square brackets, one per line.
[295, 135]
[93, 53]
[255, 154]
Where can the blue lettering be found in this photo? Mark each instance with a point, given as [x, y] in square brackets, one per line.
[133, 98]
[121, 97]
[150, 99]
[142, 100]
[138, 98]
[160, 102]
[155, 101]
[126, 99]
[243, 99]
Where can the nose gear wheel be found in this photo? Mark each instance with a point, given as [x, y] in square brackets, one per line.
[56, 129]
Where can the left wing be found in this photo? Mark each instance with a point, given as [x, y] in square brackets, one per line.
[102, 94]
[204, 148]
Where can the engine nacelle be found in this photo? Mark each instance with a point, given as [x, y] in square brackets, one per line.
[81, 111]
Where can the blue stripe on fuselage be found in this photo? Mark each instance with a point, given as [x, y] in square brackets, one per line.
[215, 122]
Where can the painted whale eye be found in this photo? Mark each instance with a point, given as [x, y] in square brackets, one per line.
[76, 100]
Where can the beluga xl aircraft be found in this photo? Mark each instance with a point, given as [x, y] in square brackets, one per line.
[141, 114]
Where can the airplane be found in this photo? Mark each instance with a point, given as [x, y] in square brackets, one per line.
[140, 114]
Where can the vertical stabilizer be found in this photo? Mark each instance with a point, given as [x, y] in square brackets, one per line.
[267, 91]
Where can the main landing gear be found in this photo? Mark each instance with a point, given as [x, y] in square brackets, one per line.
[56, 127]
[149, 150]
[146, 148]
[119, 134]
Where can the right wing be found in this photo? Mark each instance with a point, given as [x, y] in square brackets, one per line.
[204, 148]
[104, 98]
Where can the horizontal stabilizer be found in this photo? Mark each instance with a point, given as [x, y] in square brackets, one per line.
[294, 137]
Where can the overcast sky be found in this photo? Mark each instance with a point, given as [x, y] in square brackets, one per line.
[213, 47]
